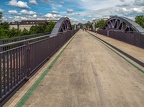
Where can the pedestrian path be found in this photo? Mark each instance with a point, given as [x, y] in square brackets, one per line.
[87, 74]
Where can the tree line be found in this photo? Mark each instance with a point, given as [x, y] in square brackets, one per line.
[5, 32]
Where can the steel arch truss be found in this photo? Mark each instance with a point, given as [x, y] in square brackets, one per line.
[62, 25]
[122, 24]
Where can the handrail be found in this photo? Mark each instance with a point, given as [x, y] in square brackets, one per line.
[22, 41]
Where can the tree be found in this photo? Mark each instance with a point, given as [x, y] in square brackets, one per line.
[100, 23]
[41, 27]
[5, 25]
[25, 32]
[3, 33]
[73, 26]
[14, 32]
[34, 29]
[140, 20]
[88, 24]
[81, 26]
[50, 26]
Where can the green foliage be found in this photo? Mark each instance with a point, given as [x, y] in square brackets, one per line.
[73, 26]
[50, 26]
[100, 23]
[25, 32]
[34, 29]
[81, 26]
[88, 24]
[41, 27]
[140, 20]
[3, 33]
[5, 25]
[14, 32]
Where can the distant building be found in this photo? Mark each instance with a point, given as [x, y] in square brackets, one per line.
[26, 24]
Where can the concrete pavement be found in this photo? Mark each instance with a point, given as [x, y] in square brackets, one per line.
[89, 74]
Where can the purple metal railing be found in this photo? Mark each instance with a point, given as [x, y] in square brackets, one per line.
[133, 38]
[23, 59]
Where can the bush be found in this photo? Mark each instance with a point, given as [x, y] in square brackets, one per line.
[3, 33]
[50, 26]
[100, 23]
[140, 20]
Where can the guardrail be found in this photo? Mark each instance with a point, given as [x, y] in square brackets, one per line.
[134, 38]
[19, 62]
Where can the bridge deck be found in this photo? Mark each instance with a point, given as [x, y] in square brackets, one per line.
[89, 74]
[132, 50]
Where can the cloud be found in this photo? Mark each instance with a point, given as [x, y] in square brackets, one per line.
[139, 2]
[100, 8]
[74, 20]
[1, 10]
[50, 16]
[19, 4]
[23, 18]
[4, 19]
[122, 0]
[34, 16]
[33, 2]
[45, 0]
[58, 16]
[77, 13]
[96, 4]
[131, 12]
[70, 11]
[25, 12]
[55, 12]
[13, 12]
[89, 16]
[56, 6]
[123, 5]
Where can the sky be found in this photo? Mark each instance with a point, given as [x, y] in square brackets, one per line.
[79, 11]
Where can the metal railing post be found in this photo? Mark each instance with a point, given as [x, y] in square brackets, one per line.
[0, 77]
[27, 60]
[1, 42]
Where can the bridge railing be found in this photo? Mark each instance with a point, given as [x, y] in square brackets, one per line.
[20, 62]
[19, 38]
[134, 38]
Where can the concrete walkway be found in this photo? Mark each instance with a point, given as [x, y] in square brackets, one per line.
[89, 74]
[132, 50]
